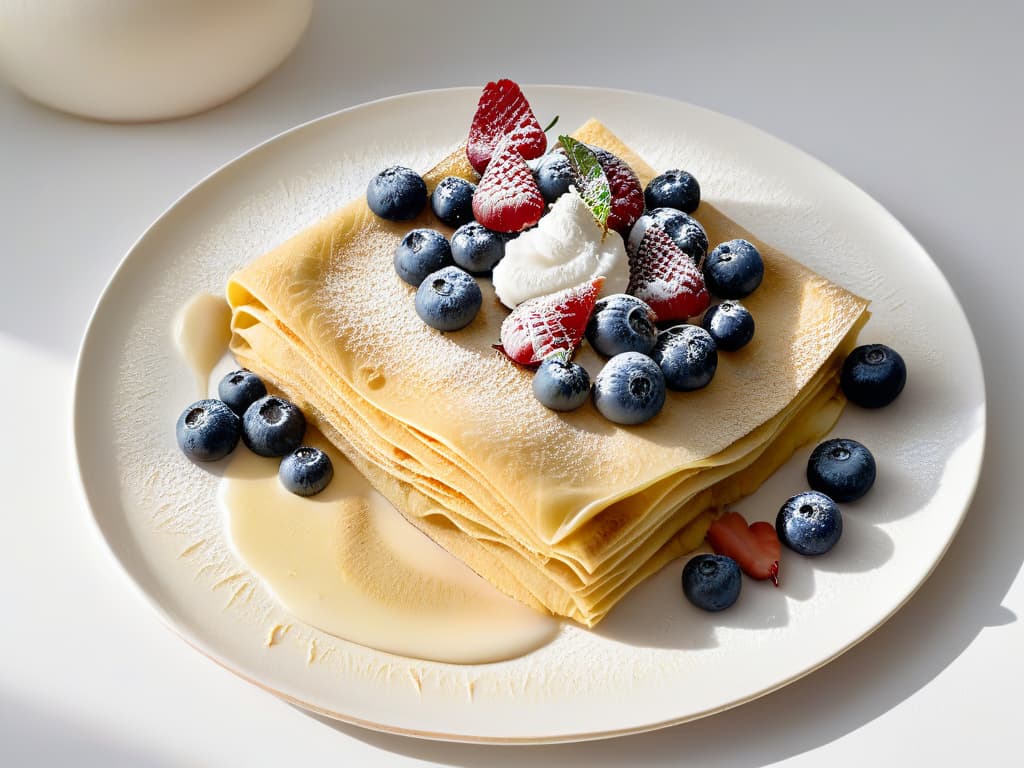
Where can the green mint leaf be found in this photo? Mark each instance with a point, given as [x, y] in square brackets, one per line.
[591, 182]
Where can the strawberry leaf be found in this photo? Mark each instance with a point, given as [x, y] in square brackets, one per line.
[552, 124]
[591, 181]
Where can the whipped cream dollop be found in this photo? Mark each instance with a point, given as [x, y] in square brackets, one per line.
[565, 249]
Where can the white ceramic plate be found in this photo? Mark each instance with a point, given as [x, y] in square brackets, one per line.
[656, 660]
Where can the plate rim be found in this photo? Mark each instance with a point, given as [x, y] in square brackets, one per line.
[88, 340]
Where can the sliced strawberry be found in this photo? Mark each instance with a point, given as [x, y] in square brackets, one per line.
[666, 278]
[755, 547]
[627, 192]
[507, 199]
[543, 325]
[503, 111]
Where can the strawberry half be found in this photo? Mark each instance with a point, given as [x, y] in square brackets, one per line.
[507, 199]
[627, 192]
[503, 111]
[755, 547]
[546, 324]
[666, 278]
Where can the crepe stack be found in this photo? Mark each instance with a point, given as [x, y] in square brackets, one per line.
[565, 512]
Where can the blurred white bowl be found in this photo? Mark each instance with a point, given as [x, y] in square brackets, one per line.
[133, 60]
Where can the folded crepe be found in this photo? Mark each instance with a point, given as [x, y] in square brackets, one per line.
[563, 511]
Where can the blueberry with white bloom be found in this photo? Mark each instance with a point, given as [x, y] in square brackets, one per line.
[621, 323]
[688, 357]
[272, 426]
[208, 430]
[734, 269]
[448, 299]
[560, 384]
[873, 375]
[476, 248]
[397, 194]
[305, 471]
[841, 468]
[730, 324]
[685, 231]
[240, 389]
[554, 175]
[630, 389]
[712, 582]
[809, 523]
[421, 252]
[452, 201]
[673, 189]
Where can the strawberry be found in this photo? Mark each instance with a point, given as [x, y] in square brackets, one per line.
[666, 278]
[507, 199]
[627, 193]
[545, 324]
[503, 111]
[755, 547]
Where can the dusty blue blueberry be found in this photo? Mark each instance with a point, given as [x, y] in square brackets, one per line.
[684, 230]
[842, 469]
[448, 299]
[452, 201]
[621, 323]
[554, 175]
[809, 523]
[560, 384]
[688, 357]
[272, 426]
[208, 430]
[730, 324]
[240, 389]
[734, 269]
[712, 582]
[397, 194]
[673, 189]
[421, 252]
[477, 249]
[306, 471]
[873, 375]
[630, 389]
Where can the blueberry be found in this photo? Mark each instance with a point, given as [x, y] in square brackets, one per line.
[554, 175]
[477, 249]
[712, 582]
[809, 523]
[208, 430]
[272, 426]
[730, 324]
[448, 299]
[841, 468]
[630, 389]
[873, 375]
[734, 269]
[452, 201]
[561, 384]
[397, 194]
[421, 252]
[684, 230]
[688, 357]
[240, 389]
[622, 323]
[673, 189]
[305, 471]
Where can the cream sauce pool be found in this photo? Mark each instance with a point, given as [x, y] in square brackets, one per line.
[345, 561]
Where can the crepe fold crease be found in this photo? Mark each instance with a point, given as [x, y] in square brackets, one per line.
[565, 512]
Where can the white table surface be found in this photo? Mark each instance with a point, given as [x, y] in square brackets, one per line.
[920, 106]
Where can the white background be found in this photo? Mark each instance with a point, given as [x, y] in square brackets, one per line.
[919, 105]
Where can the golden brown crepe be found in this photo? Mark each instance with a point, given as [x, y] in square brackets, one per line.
[565, 512]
